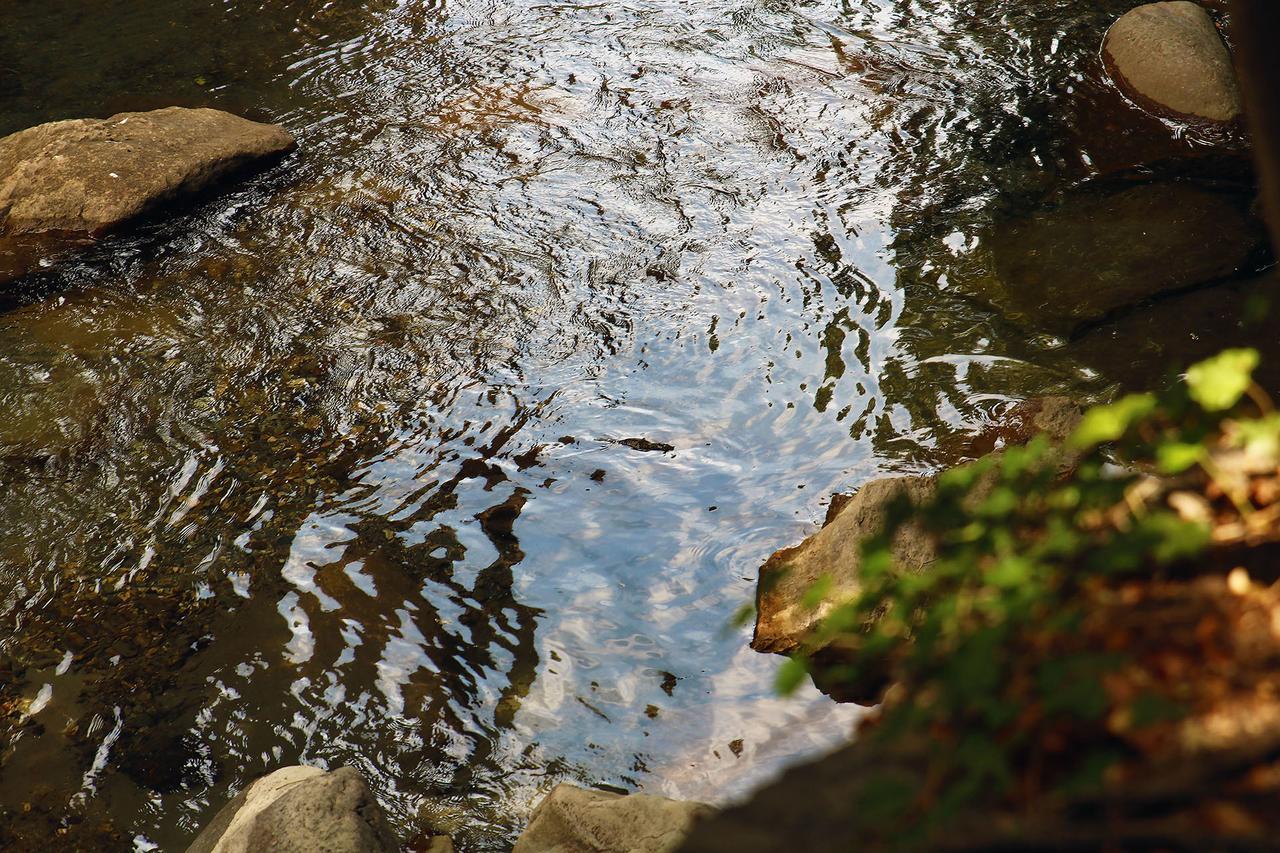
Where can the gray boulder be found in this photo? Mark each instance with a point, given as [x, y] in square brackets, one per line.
[300, 810]
[575, 820]
[66, 182]
[1169, 59]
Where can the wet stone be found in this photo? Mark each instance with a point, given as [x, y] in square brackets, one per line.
[65, 180]
[785, 622]
[834, 552]
[1145, 347]
[575, 819]
[1065, 266]
[298, 809]
[1169, 58]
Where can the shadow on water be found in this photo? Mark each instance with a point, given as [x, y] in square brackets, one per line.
[447, 447]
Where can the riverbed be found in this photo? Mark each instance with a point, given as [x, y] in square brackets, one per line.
[448, 447]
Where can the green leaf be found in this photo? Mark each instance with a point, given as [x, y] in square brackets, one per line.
[1108, 423]
[1261, 437]
[877, 564]
[1089, 776]
[1169, 538]
[843, 619]
[790, 675]
[964, 477]
[1176, 456]
[999, 503]
[1219, 382]
[1072, 686]
[1060, 538]
[1067, 497]
[816, 593]
[1011, 572]
[743, 615]
[1151, 708]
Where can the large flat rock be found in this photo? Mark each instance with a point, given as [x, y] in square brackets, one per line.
[66, 182]
[1169, 59]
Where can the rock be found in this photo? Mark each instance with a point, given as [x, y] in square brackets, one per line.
[1097, 251]
[575, 820]
[300, 810]
[1169, 58]
[644, 445]
[783, 622]
[67, 180]
[1143, 348]
[1056, 417]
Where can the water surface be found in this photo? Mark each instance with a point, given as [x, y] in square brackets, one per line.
[364, 462]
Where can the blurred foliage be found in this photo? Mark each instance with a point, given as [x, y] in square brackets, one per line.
[985, 645]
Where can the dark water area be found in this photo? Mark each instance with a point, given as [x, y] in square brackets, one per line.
[336, 468]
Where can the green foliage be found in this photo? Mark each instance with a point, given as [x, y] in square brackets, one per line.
[1219, 382]
[743, 616]
[791, 675]
[1260, 437]
[1151, 708]
[1017, 541]
[1175, 457]
[1102, 424]
[816, 593]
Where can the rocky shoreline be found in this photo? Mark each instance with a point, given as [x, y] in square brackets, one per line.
[297, 809]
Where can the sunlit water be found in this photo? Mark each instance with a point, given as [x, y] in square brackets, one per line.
[331, 468]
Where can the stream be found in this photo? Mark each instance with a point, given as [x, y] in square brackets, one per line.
[448, 447]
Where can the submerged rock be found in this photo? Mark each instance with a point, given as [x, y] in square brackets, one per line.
[299, 810]
[66, 181]
[1169, 58]
[575, 820]
[1142, 348]
[1096, 251]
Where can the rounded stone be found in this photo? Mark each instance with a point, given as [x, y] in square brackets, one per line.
[1169, 59]
[300, 810]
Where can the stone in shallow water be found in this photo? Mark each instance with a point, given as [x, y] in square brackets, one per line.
[575, 820]
[835, 552]
[1142, 348]
[300, 810]
[65, 180]
[1095, 252]
[784, 623]
[1169, 58]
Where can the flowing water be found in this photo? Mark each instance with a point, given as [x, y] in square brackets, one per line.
[447, 447]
